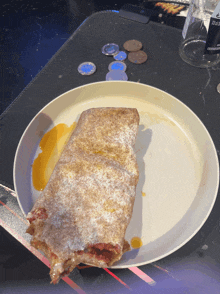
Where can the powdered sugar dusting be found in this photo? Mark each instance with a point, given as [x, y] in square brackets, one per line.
[90, 195]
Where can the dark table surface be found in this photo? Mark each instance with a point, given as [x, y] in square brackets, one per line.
[31, 34]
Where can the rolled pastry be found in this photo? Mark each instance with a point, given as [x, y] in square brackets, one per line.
[82, 214]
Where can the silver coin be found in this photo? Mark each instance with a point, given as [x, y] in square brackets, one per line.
[86, 68]
[120, 56]
[218, 88]
[116, 75]
[117, 65]
[110, 49]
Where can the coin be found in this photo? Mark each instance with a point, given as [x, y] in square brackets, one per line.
[120, 56]
[117, 65]
[115, 75]
[218, 88]
[137, 57]
[86, 68]
[110, 49]
[132, 45]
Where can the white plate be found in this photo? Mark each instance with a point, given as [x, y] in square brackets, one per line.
[179, 169]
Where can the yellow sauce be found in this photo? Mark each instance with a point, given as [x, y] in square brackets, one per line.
[143, 194]
[51, 145]
[136, 242]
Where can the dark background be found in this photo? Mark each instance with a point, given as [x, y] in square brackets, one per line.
[32, 31]
[30, 34]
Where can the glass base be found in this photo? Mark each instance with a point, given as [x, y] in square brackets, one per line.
[192, 52]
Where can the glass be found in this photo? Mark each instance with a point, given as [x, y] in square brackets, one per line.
[195, 33]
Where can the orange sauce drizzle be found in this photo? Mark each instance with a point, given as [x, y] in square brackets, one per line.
[51, 145]
[136, 242]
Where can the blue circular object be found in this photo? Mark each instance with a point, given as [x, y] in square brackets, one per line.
[116, 75]
[86, 68]
[120, 56]
[110, 49]
[117, 65]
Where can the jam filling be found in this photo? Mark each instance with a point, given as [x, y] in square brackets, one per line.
[39, 213]
[103, 251]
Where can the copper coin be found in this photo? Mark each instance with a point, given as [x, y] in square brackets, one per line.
[132, 45]
[137, 57]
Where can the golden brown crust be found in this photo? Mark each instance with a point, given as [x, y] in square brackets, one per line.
[88, 201]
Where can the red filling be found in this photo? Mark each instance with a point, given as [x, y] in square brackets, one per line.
[39, 213]
[80, 252]
[103, 251]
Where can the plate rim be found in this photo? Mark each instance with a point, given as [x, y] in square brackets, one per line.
[147, 86]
